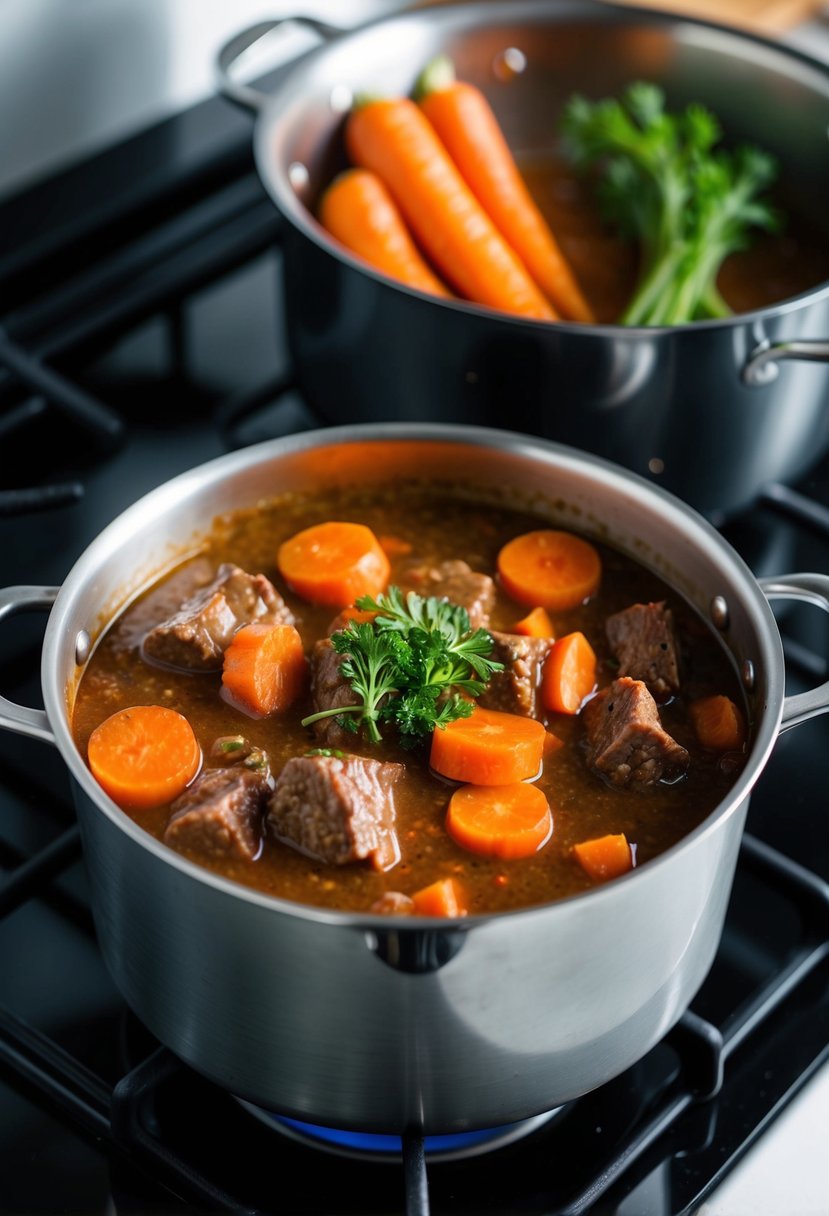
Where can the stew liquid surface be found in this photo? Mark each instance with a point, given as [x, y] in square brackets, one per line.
[427, 529]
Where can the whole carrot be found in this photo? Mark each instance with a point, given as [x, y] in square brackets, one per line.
[359, 212]
[393, 138]
[472, 135]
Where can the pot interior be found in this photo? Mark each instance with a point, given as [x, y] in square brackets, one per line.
[530, 57]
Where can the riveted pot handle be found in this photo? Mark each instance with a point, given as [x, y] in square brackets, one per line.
[762, 365]
[19, 718]
[811, 589]
[236, 47]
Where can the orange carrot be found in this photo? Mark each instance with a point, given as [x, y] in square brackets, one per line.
[144, 756]
[555, 569]
[535, 624]
[264, 668]
[359, 212]
[394, 546]
[441, 898]
[718, 723]
[472, 135]
[505, 821]
[488, 748]
[394, 138]
[605, 857]
[334, 563]
[569, 674]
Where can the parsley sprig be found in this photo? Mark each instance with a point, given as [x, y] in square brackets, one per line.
[414, 666]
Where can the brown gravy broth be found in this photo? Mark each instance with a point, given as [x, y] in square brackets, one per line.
[437, 528]
[776, 266]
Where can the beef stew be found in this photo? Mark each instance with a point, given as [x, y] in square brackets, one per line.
[302, 807]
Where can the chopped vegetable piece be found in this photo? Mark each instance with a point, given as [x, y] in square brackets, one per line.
[557, 570]
[334, 563]
[605, 857]
[144, 756]
[569, 674]
[665, 185]
[264, 668]
[500, 820]
[472, 135]
[718, 724]
[416, 663]
[489, 748]
[535, 624]
[441, 898]
[395, 546]
[359, 212]
[394, 138]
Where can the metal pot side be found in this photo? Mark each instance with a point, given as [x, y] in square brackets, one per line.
[674, 405]
[372, 1023]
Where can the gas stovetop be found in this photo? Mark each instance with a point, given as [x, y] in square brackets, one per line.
[142, 334]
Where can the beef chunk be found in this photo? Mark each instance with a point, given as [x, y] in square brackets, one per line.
[642, 639]
[456, 582]
[626, 741]
[515, 689]
[337, 809]
[330, 690]
[221, 814]
[196, 637]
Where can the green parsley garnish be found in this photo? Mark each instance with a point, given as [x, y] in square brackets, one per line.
[326, 751]
[411, 665]
[665, 183]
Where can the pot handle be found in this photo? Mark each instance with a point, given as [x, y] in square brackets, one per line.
[245, 95]
[19, 718]
[811, 589]
[762, 365]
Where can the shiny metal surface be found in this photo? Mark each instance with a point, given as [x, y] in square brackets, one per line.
[691, 408]
[375, 1023]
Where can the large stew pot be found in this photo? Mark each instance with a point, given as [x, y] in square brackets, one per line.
[379, 1023]
[712, 411]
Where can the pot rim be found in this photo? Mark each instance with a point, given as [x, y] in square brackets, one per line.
[59, 636]
[301, 218]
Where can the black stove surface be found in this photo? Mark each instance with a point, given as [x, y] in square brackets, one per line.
[142, 334]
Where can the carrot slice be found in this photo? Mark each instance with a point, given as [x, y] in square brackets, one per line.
[334, 563]
[535, 624]
[472, 135]
[264, 668]
[394, 139]
[505, 821]
[488, 748]
[441, 898]
[569, 674]
[718, 724]
[144, 756]
[394, 546]
[605, 856]
[557, 570]
[359, 212]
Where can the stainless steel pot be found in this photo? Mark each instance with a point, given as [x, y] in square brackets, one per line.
[380, 1023]
[712, 411]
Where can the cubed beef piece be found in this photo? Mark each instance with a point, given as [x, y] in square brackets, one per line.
[643, 640]
[337, 809]
[515, 689]
[456, 582]
[221, 814]
[626, 740]
[196, 637]
[330, 690]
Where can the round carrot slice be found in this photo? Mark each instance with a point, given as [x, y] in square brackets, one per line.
[334, 563]
[555, 570]
[507, 821]
[144, 756]
[489, 748]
